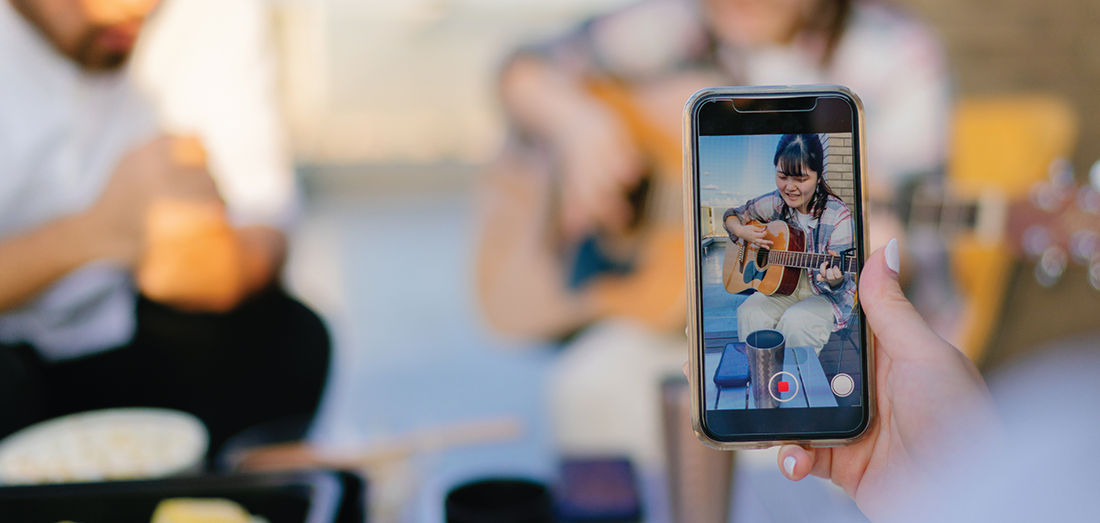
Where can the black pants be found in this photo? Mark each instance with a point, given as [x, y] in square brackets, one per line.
[266, 360]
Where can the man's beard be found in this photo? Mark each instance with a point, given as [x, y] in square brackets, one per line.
[92, 58]
[86, 52]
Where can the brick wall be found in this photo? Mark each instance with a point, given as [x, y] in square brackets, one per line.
[1024, 46]
[838, 166]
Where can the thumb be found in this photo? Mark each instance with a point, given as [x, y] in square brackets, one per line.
[889, 314]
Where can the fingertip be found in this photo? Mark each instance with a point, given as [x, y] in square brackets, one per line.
[892, 257]
[686, 370]
[795, 462]
[789, 463]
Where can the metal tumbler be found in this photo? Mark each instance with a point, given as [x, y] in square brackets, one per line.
[764, 349]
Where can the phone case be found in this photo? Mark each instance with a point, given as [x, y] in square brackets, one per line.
[692, 234]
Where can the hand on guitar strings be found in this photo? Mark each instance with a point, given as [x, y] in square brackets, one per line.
[597, 158]
[831, 274]
[754, 234]
[600, 165]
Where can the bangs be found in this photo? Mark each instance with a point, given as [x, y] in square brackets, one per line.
[798, 155]
[793, 164]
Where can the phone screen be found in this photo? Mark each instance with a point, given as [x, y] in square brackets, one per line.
[779, 239]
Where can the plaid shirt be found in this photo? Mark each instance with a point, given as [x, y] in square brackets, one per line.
[834, 232]
[894, 63]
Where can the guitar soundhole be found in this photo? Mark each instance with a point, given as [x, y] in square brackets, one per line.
[762, 258]
[638, 198]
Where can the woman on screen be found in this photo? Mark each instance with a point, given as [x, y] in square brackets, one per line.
[823, 300]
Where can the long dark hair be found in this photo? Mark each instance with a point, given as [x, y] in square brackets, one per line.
[796, 153]
[829, 19]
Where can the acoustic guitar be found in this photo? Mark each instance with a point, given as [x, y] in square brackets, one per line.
[534, 283]
[775, 270]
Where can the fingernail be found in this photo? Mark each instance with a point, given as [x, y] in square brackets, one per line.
[892, 260]
[788, 465]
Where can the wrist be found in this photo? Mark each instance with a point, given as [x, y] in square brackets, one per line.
[83, 238]
[263, 251]
[94, 238]
[732, 227]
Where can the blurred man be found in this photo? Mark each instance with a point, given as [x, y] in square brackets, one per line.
[136, 269]
[579, 155]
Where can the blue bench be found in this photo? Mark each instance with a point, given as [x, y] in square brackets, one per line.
[732, 389]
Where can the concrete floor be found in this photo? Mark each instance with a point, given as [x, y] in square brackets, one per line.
[390, 269]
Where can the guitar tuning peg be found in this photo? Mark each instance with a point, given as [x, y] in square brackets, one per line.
[1094, 176]
[1060, 171]
[1088, 199]
[1094, 273]
[1048, 197]
[1051, 266]
[1052, 194]
[1084, 247]
[1036, 240]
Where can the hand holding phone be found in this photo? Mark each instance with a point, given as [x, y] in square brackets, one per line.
[774, 210]
[934, 406]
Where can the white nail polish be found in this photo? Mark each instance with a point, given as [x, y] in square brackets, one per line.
[892, 260]
[788, 465]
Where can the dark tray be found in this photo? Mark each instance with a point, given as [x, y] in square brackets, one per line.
[295, 497]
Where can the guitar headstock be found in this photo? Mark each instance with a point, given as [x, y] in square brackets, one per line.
[1059, 224]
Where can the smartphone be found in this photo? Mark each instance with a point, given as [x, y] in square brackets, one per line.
[774, 210]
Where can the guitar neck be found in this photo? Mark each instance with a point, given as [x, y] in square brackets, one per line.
[806, 260]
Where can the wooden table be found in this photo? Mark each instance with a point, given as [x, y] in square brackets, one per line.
[801, 362]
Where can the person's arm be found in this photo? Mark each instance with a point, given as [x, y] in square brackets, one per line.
[31, 261]
[211, 70]
[115, 227]
[751, 210]
[194, 260]
[599, 160]
[931, 402]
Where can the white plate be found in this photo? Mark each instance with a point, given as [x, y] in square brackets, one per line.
[110, 444]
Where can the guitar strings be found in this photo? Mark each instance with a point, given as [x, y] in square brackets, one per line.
[806, 260]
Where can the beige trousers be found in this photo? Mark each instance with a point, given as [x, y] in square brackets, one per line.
[804, 318]
[605, 391]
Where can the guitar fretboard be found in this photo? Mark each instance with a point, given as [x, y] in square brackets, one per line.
[806, 260]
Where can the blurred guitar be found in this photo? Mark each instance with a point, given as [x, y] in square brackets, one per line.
[1054, 224]
[1003, 150]
[532, 282]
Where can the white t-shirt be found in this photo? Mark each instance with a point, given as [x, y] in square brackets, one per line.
[808, 223]
[202, 67]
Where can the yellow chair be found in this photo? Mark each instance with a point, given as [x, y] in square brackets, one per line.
[1000, 147]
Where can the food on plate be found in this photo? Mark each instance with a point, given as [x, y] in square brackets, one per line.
[194, 510]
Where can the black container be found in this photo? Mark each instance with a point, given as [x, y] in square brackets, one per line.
[501, 500]
[296, 497]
